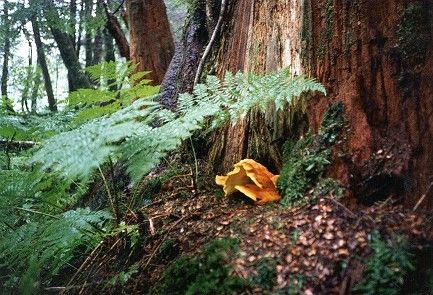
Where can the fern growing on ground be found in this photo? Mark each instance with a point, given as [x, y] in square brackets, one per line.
[113, 123]
[45, 247]
[387, 266]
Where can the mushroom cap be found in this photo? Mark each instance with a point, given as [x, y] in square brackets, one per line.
[252, 179]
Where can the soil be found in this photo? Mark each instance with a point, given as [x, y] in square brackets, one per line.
[324, 243]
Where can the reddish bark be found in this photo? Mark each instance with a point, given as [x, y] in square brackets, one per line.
[152, 44]
[376, 59]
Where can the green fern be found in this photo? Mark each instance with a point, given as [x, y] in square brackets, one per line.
[238, 93]
[76, 154]
[120, 86]
[48, 245]
[386, 268]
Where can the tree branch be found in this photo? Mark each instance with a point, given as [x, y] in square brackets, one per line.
[115, 30]
[18, 144]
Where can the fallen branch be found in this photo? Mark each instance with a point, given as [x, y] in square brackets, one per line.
[210, 44]
[423, 197]
[18, 144]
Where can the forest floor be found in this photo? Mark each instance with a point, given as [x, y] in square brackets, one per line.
[317, 248]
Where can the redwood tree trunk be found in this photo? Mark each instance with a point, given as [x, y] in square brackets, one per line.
[152, 44]
[376, 59]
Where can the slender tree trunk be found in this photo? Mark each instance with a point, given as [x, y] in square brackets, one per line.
[80, 29]
[376, 59]
[77, 78]
[35, 89]
[152, 44]
[6, 55]
[73, 21]
[110, 55]
[88, 42]
[43, 64]
[114, 28]
[27, 82]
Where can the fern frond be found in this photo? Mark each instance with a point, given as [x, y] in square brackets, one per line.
[51, 243]
[78, 152]
[237, 94]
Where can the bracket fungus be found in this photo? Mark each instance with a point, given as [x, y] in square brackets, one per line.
[253, 180]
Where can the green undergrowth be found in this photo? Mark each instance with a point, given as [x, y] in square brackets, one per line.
[387, 266]
[44, 181]
[150, 187]
[207, 273]
[305, 161]
[266, 275]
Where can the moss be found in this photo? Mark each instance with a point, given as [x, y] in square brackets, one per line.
[326, 36]
[266, 269]
[152, 186]
[305, 161]
[413, 32]
[328, 186]
[169, 250]
[306, 32]
[207, 273]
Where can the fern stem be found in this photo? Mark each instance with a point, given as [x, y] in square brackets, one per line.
[194, 177]
[37, 212]
[110, 197]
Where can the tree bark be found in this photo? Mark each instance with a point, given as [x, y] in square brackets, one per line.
[99, 38]
[376, 59]
[6, 54]
[73, 21]
[152, 45]
[88, 39]
[35, 88]
[183, 66]
[28, 81]
[113, 26]
[109, 55]
[52, 105]
[77, 78]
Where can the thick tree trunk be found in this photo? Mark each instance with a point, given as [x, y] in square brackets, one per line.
[264, 36]
[376, 59]
[152, 44]
[43, 65]
[77, 78]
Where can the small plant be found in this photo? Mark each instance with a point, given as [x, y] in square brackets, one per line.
[266, 273]
[387, 266]
[305, 161]
[205, 274]
[328, 186]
